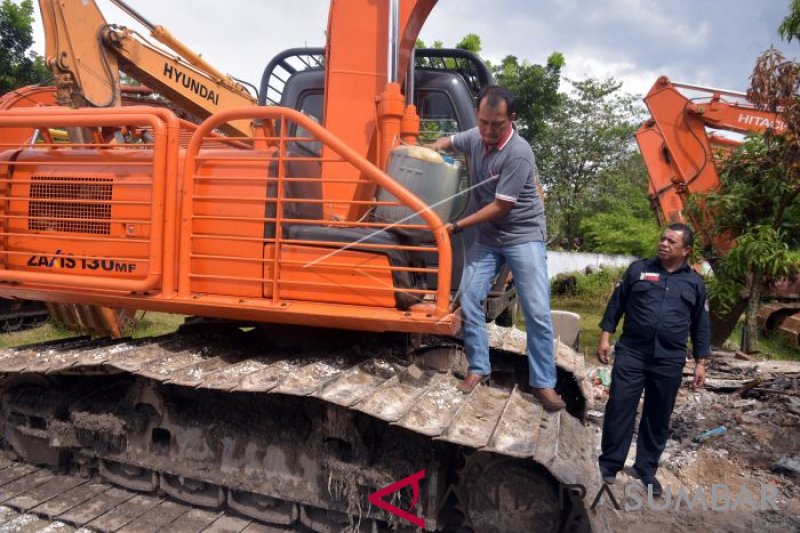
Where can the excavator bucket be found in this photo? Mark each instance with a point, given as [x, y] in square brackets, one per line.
[94, 320]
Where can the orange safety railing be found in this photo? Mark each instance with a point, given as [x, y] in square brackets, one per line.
[84, 215]
[237, 201]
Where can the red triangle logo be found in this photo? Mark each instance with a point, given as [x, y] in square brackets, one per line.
[376, 498]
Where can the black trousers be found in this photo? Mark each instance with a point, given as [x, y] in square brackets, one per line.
[660, 379]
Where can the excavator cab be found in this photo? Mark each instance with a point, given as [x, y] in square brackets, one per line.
[445, 85]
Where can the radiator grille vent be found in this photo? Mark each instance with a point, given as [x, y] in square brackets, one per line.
[70, 204]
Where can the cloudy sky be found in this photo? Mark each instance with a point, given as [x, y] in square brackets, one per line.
[705, 42]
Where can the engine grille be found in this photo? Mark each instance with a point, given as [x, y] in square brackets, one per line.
[86, 213]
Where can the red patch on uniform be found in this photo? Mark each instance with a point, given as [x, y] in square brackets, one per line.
[650, 276]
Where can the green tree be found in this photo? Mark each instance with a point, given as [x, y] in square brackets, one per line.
[18, 66]
[471, 42]
[584, 155]
[790, 27]
[757, 202]
[623, 220]
[536, 87]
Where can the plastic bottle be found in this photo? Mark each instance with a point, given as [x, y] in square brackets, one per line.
[710, 433]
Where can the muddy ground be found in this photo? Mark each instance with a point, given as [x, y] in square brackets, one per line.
[746, 477]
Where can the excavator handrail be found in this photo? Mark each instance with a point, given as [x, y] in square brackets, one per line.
[164, 125]
[368, 170]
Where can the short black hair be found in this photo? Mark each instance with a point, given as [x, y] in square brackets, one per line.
[495, 93]
[688, 234]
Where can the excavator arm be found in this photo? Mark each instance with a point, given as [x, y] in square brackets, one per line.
[678, 144]
[86, 55]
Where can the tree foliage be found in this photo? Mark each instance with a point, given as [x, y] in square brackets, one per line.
[585, 156]
[790, 27]
[471, 42]
[18, 66]
[757, 202]
[536, 87]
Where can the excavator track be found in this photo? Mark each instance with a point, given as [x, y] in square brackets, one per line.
[783, 318]
[40, 499]
[223, 419]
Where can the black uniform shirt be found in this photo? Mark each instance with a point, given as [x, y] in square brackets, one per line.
[661, 310]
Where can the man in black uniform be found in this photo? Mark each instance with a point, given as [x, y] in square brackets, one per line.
[664, 303]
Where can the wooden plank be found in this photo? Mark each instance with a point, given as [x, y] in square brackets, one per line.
[45, 492]
[60, 527]
[25, 483]
[264, 528]
[66, 501]
[124, 513]
[194, 521]
[96, 506]
[227, 524]
[15, 471]
[157, 518]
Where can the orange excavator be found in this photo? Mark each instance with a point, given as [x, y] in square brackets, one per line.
[322, 223]
[678, 144]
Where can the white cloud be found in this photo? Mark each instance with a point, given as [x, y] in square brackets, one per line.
[712, 42]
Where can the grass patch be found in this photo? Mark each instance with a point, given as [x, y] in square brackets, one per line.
[587, 295]
[153, 324]
[590, 321]
[48, 331]
[770, 347]
[150, 325]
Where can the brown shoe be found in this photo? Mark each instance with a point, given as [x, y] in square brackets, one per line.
[471, 381]
[550, 399]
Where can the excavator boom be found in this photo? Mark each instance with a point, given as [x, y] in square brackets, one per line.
[86, 55]
[680, 146]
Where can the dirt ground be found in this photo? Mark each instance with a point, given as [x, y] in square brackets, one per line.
[745, 477]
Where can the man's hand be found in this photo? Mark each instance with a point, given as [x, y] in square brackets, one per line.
[442, 144]
[604, 347]
[699, 374]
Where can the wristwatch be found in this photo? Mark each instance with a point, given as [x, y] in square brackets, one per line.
[457, 228]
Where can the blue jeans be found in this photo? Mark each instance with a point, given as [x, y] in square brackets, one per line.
[528, 264]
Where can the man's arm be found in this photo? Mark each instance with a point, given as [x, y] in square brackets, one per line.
[614, 310]
[498, 208]
[604, 347]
